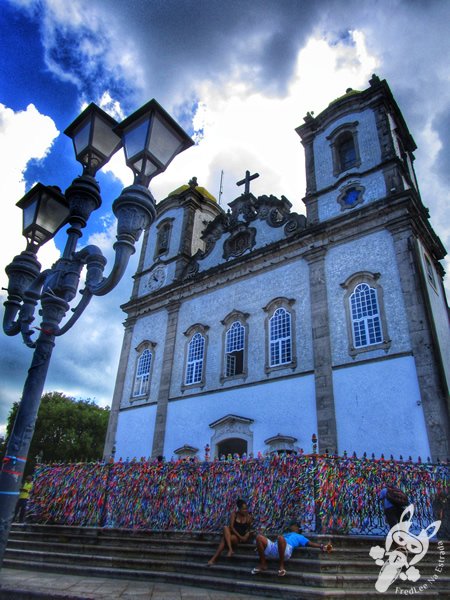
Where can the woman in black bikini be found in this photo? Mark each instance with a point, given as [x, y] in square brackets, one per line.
[239, 530]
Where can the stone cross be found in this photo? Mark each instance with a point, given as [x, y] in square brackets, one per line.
[247, 180]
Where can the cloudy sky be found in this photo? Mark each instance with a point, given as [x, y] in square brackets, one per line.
[239, 76]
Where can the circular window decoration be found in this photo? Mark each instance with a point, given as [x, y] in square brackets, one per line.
[351, 197]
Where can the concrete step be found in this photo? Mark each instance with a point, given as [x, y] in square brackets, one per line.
[257, 586]
[181, 557]
[363, 579]
[303, 560]
[92, 534]
[125, 542]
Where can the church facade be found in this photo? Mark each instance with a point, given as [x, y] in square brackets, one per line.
[250, 330]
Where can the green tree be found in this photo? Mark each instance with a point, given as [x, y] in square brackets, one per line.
[66, 430]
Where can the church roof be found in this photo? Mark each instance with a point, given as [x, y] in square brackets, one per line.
[348, 92]
[192, 185]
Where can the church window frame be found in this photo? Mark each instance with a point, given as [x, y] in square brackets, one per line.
[195, 356]
[365, 314]
[354, 189]
[429, 271]
[281, 352]
[143, 370]
[163, 235]
[345, 147]
[235, 346]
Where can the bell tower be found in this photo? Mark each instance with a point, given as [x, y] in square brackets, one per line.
[358, 151]
[361, 184]
[174, 237]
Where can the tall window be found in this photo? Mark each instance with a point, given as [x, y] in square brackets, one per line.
[365, 316]
[235, 345]
[280, 338]
[346, 151]
[195, 358]
[234, 351]
[344, 147]
[279, 325]
[142, 377]
[163, 237]
[429, 271]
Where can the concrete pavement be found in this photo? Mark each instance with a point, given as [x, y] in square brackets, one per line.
[16, 584]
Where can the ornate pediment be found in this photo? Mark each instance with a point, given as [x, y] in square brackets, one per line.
[281, 443]
[239, 229]
[186, 451]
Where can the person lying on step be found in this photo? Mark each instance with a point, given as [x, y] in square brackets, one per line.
[282, 549]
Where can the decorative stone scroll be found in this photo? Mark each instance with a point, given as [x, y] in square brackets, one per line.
[239, 242]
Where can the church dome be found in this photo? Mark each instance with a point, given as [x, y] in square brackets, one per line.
[348, 92]
[193, 185]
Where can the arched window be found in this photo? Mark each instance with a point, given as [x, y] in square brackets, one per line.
[280, 338]
[142, 377]
[344, 147]
[163, 237]
[235, 345]
[234, 350]
[346, 151]
[195, 358]
[366, 323]
[280, 334]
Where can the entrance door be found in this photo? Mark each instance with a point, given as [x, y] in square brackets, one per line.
[232, 446]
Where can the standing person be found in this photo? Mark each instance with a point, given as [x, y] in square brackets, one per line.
[239, 530]
[441, 513]
[394, 503]
[282, 549]
[21, 506]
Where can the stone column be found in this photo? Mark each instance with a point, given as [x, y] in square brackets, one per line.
[426, 361]
[166, 376]
[118, 391]
[326, 415]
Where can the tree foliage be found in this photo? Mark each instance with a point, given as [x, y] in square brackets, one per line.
[67, 430]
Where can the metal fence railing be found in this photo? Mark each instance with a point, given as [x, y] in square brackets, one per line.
[327, 494]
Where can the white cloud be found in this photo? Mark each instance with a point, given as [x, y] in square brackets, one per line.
[254, 76]
[25, 135]
[255, 131]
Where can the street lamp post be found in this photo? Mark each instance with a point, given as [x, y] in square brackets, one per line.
[151, 139]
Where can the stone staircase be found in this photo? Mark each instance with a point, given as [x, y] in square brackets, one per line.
[180, 558]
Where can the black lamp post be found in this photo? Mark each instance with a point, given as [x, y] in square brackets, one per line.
[151, 139]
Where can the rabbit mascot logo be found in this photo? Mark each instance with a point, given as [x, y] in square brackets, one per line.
[408, 550]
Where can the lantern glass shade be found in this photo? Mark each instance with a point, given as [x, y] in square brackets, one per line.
[163, 142]
[135, 139]
[93, 138]
[151, 140]
[45, 211]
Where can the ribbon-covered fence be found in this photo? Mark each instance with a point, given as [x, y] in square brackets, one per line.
[326, 494]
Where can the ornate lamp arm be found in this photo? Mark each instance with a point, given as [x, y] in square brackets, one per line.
[95, 262]
[135, 211]
[23, 270]
[31, 298]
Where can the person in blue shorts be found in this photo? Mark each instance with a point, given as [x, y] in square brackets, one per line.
[282, 549]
